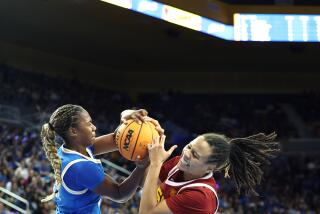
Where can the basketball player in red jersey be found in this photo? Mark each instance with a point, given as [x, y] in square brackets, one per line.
[185, 184]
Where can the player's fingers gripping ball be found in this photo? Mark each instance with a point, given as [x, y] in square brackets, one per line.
[133, 139]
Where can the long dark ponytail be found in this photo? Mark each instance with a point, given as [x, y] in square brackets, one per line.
[243, 157]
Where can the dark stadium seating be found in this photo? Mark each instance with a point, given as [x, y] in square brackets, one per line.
[25, 170]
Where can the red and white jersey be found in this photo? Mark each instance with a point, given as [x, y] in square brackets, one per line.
[192, 197]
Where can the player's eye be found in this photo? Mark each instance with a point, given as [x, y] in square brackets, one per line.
[194, 155]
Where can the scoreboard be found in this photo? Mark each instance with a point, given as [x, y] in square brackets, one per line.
[277, 27]
[246, 27]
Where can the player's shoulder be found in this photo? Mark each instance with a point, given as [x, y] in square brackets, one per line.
[206, 188]
[194, 199]
[79, 166]
[167, 166]
[83, 163]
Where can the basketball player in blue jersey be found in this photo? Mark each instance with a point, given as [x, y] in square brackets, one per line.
[80, 179]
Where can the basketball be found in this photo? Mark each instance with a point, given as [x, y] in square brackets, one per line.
[132, 139]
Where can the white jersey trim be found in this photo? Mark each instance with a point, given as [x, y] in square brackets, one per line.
[173, 183]
[173, 170]
[203, 185]
[74, 192]
[90, 153]
[91, 158]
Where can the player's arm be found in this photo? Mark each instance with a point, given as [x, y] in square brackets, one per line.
[148, 203]
[121, 192]
[106, 143]
[157, 156]
[190, 201]
[145, 176]
[90, 175]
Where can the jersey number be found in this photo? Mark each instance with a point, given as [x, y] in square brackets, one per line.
[160, 196]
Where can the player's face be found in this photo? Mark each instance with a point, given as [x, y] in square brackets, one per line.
[194, 157]
[86, 131]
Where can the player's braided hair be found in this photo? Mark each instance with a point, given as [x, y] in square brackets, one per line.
[243, 157]
[60, 121]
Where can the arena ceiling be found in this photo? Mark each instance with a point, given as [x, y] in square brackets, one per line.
[103, 34]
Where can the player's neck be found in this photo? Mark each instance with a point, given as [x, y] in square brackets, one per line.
[188, 176]
[77, 148]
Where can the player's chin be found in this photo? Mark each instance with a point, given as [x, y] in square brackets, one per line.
[181, 166]
[91, 141]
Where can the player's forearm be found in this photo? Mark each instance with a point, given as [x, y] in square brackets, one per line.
[129, 186]
[104, 144]
[148, 198]
[144, 177]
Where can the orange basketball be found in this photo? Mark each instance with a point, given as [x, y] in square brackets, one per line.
[132, 139]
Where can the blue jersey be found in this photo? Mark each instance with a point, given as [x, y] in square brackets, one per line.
[80, 176]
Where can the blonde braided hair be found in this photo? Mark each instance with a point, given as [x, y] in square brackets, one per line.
[61, 120]
[47, 137]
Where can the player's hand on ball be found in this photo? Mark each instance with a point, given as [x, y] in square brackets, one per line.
[155, 122]
[132, 138]
[136, 115]
[139, 116]
[157, 153]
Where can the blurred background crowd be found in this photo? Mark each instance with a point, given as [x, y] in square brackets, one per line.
[108, 59]
[291, 183]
